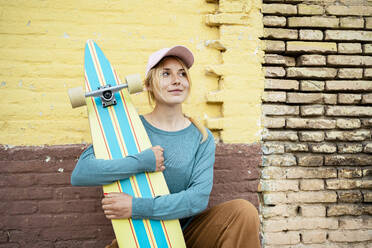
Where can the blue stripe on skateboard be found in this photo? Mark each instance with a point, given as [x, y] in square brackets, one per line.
[112, 141]
[155, 224]
[105, 117]
[122, 119]
[131, 145]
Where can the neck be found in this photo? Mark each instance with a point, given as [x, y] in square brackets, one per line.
[168, 118]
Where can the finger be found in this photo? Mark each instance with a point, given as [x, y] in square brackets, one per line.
[111, 216]
[109, 212]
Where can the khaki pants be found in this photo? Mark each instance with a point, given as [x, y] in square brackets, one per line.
[232, 224]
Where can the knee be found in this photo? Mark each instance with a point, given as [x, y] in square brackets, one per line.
[244, 209]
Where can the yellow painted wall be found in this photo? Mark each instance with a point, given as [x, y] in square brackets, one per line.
[42, 51]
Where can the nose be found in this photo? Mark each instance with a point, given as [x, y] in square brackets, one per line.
[176, 80]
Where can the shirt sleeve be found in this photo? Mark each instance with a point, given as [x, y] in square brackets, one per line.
[90, 171]
[187, 202]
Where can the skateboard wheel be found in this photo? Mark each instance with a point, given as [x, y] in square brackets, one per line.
[134, 83]
[77, 97]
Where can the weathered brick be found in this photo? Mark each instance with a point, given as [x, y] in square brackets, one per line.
[323, 148]
[367, 172]
[330, 99]
[279, 160]
[367, 73]
[340, 10]
[312, 210]
[280, 136]
[282, 238]
[351, 73]
[278, 185]
[313, 21]
[311, 184]
[269, 122]
[367, 48]
[274, 46]
[368, 22]
[281, 84]
[311, 85]
[281, 9]
[275, 225]
[280, 33]
[311, 47]
[311, 72]
[300, 172]
[352, 22]
[367, 98]
[270, 109]
[350, 173]
[348, 123]
[276, 59]
[310, 197]
[310, 9]
[366, 122]
[306, 34]
[311, 59]
[310, 160]
[272, 148]
[226, 19]
[304, 223]
[296, 147]
[274, 71]
[368, 148]
[348, 160]
[315, 136]
[279, 211]
[348, 35]
[304, 97]
[349, 60]
[312, 110]
[344, 209]
[274, 96]
[343, 184]
[348, 111]
[349, 196]
[274, 198]
[349, 98]
[310, 123]
[355, 222]
[274, 21]
[232, 6]
[349, 236]
[314, 237]
[349, 148]
[273, 173]
[349, 48]
[367, 196]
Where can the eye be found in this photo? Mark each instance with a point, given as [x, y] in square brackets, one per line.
[182, 74]
[165, 73]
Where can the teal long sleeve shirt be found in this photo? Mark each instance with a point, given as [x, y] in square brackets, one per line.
[188, 173]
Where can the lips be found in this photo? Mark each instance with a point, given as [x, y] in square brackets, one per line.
[176, 90]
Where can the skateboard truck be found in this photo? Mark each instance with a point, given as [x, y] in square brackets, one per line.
[106, 92]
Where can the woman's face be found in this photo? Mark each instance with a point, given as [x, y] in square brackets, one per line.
[173, 83]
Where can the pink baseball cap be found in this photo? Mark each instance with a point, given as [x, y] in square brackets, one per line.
[181, 52]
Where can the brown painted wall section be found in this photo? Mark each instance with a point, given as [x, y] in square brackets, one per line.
[39, 207]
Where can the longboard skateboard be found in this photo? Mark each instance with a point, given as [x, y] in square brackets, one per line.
[117, 131]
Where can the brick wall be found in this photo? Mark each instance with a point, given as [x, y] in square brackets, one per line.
[317, 106]
[40, 209]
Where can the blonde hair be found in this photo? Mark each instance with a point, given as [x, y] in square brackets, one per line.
[152, 84]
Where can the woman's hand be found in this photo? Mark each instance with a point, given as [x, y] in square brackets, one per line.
[158, 151]
[117, 205]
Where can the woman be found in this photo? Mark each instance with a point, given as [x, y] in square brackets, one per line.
[184, 150]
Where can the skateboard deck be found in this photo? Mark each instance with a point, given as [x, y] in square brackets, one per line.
[117, 131]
